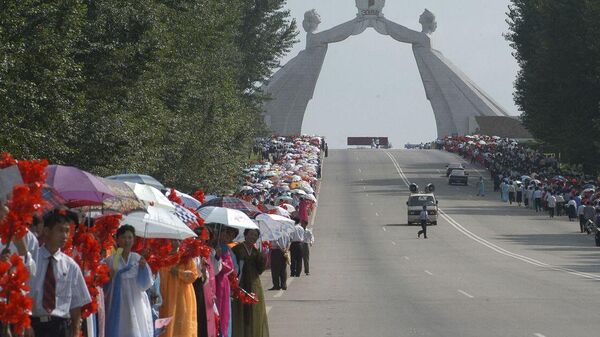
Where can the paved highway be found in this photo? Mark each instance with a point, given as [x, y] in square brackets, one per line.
[487, 269]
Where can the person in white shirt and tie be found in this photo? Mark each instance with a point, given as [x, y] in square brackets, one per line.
[297, 237]
[58, 288]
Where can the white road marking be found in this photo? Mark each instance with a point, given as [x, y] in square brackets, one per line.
[269, 309]
[492, 246]
[279, 294]
[393, 243]
[505, 252]
[371, 203]
[367, 196]
[466, 294]
[428, 272]
[376, 214]
[359, 171]
[538, 335]
[407, 258]
[385, 230]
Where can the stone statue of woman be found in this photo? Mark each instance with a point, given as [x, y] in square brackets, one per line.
[294, 84]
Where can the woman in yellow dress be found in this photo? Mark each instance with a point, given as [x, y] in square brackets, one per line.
[179, 299]
[250, 320]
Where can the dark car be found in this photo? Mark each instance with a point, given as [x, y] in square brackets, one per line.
[451, 167]
[458, 176]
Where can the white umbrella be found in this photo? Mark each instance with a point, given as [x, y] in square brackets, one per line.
[288, 207]
[310, 197]
[158, 223]
[151, 196]
[227, 216]
[298, 191]
[273, 227]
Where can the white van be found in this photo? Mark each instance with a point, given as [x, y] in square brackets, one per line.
[415, 206]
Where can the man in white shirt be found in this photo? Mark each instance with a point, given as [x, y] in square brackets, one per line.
[297, 238]
[581, 217]
[551, 202]
[58, 288]
[537, 199]
[278, 262]
[309, 239]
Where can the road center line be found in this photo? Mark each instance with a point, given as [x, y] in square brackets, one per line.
[359, 171]
[407, 258]
[376, 214]
[538, 335]
[428, 272]
[466, 294]
[393, 243]
[385, 230]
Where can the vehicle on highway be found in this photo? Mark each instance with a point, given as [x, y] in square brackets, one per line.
[458, 176]
[417, 200]
[451, 167]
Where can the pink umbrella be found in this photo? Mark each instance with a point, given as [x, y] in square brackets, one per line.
[77, 187]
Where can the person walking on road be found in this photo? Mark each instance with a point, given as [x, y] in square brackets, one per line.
[424, 219]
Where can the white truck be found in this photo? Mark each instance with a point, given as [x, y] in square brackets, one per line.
[417, 200]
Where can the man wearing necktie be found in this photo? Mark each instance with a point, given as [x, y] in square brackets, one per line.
[58, 288]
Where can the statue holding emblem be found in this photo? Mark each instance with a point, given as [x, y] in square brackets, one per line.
[370, 7]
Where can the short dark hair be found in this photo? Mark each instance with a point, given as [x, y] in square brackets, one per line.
[124, 229]
[247, 230]
[59, 216]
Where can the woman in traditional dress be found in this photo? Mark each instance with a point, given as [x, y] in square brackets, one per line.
[250, 320]
[205, 290]
[128, 311]
[223, 290]
[179, 300]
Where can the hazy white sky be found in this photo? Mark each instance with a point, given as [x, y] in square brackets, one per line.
[370, 84]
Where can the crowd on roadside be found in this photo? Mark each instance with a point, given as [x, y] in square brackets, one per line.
[528, 177]
[65, 272]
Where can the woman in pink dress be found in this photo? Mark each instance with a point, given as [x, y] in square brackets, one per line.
[222, 281]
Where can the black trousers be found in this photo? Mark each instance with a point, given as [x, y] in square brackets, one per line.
[296, 257]
[423, 229]
[551, 210]
[582, 223]
[202, 326]
[306, 257]
[57, 327]
[278, 269]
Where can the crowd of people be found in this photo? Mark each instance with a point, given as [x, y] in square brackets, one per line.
[80, 275]
[526, 177]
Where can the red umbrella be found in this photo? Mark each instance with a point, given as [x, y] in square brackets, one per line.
[77, 187]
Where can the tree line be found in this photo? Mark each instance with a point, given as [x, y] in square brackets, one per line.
[169, 88]
[557, 46]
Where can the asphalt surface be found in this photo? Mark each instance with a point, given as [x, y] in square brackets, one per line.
[487, 269]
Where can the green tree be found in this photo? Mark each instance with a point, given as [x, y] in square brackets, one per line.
[39, 77]
[557, 86]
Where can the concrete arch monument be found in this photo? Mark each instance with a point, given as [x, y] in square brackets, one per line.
[455, 98]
